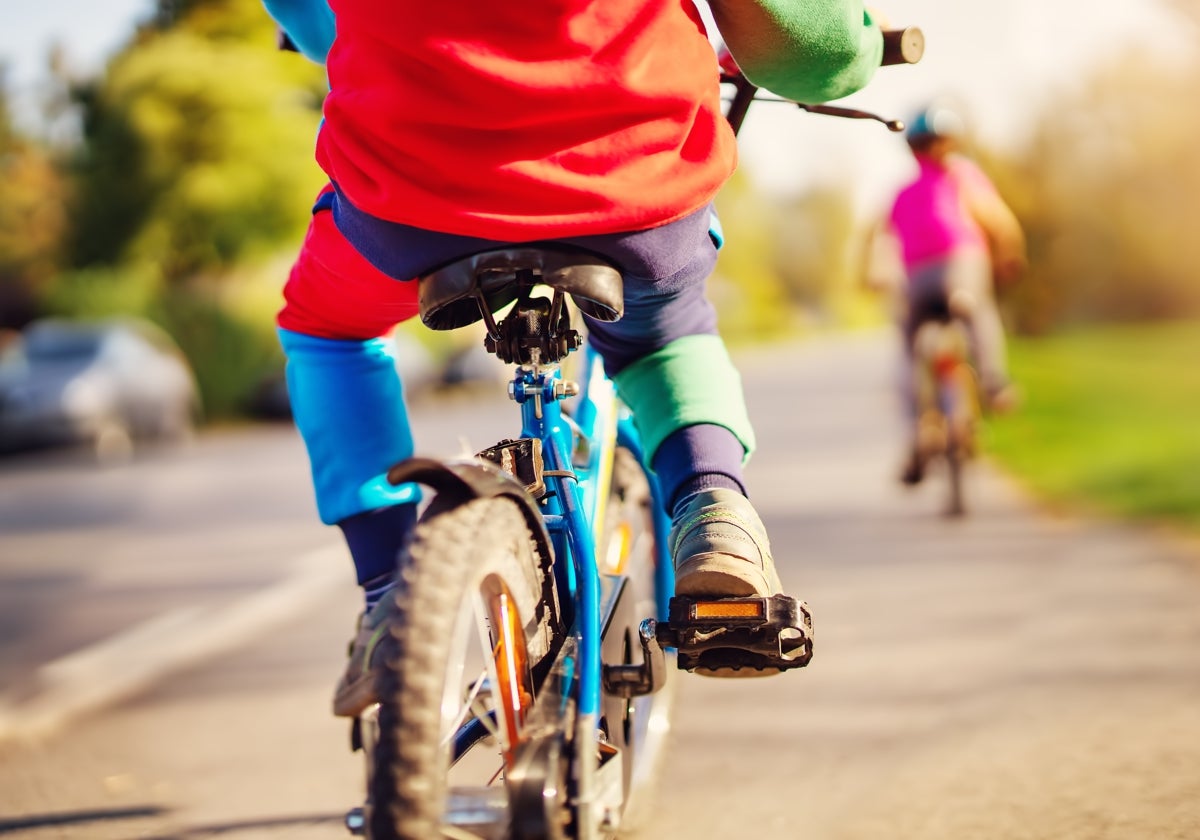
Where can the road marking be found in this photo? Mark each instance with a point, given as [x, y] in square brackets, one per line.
[136, 658]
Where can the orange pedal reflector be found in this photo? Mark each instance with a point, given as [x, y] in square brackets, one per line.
[727, 609]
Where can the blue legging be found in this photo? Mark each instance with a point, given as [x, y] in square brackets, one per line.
[348, 404]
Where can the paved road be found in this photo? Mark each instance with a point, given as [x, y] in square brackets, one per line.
[1009, 676]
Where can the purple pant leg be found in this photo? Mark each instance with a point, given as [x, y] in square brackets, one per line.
[665, 269]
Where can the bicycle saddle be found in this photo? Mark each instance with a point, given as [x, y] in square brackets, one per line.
[453, 295]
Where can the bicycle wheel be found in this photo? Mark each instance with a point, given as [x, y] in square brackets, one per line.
[955, 465]
[638, 726]
[459, 681]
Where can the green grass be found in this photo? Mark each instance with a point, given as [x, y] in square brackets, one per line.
[1110, 421]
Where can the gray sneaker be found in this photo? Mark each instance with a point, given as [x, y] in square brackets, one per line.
[356, 690]
[720, 548]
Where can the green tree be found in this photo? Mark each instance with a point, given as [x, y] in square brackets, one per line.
[197, 150]
[32, 220]
[749, 296]
[816, 253]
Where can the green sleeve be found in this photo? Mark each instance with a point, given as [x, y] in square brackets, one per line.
[806, 50]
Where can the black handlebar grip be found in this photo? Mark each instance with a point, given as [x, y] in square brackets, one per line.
[903, 46]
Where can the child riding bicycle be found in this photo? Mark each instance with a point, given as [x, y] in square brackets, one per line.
[957, 238]
[454, 128]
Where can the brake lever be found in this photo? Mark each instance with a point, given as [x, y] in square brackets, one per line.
[851, 113]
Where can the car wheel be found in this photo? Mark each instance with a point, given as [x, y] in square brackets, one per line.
[176, 424]
[113, 443]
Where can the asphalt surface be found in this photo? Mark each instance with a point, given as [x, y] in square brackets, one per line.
[170, 631]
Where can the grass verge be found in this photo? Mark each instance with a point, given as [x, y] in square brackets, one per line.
[1110, 421]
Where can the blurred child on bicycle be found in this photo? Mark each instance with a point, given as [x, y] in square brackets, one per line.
[956, 238]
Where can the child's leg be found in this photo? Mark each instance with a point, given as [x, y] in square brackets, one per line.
[347, 399]
[672, 369]
[348, 404]
[970, 274]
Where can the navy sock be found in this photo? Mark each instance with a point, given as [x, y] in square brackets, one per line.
[375, 589]
[698, 458]
[375, 538]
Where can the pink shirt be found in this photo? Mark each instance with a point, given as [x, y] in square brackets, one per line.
[930, 217]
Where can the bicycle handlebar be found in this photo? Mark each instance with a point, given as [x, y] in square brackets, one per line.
[900, 46]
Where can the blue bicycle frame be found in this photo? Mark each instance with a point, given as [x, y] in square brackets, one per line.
[578, 451]
[578, 492]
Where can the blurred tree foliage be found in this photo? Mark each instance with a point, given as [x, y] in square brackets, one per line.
[197, 149]
[1109, 193]
[818, 253]
[32, 220]
[746, 288]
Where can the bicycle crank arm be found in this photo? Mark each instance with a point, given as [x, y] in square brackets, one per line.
[761, 634]
[645, 678]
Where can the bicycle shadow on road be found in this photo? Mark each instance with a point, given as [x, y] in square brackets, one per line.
[36, 822]
[65, 818]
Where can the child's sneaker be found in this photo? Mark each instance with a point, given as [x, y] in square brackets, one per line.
[720, 548]
[357, 689]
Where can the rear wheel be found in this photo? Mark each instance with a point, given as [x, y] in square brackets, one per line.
[477, 610]
[956, 503]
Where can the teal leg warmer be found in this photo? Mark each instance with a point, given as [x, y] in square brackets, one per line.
[689, 382]
[348, 405]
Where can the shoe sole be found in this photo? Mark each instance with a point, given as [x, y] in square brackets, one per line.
[736, 673]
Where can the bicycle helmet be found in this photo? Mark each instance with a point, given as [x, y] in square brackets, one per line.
[934, 121]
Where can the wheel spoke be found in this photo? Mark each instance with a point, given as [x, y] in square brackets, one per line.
[469, 706]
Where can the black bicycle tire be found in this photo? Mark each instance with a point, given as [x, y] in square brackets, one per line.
[955, 467]
[448, 551]
[957, 455]
[960, 430]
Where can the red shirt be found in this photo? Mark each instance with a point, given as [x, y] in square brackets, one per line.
[527, 119]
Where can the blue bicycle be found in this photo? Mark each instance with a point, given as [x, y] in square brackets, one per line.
[528, 680]
[524, 694]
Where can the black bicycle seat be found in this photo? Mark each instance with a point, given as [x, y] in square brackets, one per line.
[453, 295]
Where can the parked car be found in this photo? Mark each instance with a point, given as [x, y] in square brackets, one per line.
[102, 384]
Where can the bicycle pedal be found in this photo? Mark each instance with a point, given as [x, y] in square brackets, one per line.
[732, 634]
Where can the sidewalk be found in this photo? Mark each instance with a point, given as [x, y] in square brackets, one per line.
[111, 576]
